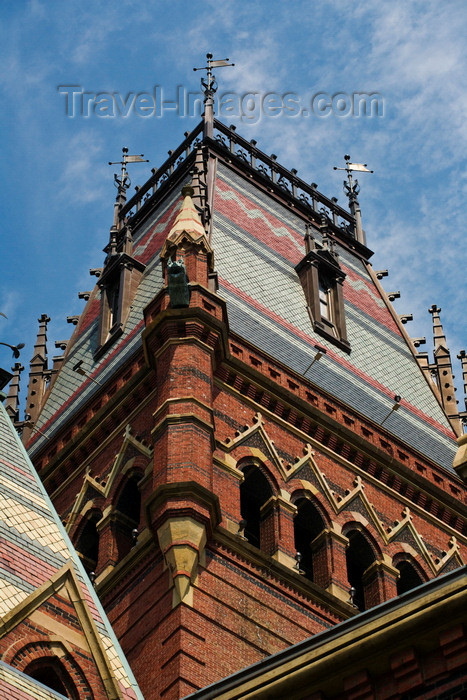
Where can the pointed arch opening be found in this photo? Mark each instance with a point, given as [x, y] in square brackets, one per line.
[51, 673]
[409, 577]
[255, 492]
[128, 513]
[87, 544]
[308, 524]
[359, 557]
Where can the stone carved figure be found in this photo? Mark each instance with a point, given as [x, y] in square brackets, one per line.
[179, 291]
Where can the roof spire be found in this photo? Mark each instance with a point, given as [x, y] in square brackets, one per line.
[38, 375]
[462, 356]
[12, 400]
[122, 183]
[352, 189]
[210, 88]
[442, 370]
[439, 338]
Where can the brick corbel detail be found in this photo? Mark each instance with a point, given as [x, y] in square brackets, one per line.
[359, 686]
[406, 671]
[330, 564]
[380, 582]
[453, 642]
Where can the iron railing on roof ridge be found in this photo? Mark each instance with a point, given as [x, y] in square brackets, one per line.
[287, 180]
[193, 139]
[266, 166]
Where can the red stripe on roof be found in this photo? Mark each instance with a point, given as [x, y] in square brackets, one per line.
[152, 240]
[21, 562]
[332, 355]
[265, 231]
[282, 245]
[364, 299]
[90, 313]
[24, 473]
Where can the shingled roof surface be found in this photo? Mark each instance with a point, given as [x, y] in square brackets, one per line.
[34, 549]
[72, 391]
[257, 242]
[15, 685]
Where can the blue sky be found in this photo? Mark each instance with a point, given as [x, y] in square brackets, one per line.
[58, 189]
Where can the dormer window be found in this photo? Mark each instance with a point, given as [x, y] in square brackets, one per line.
[113, 295]
[322, 280]
[325, 301]
[118, 283]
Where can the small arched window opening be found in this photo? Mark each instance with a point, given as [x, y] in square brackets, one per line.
[88, 543]
[359, 556]
[255, 491]
[325, 300]
[51, 673]
[129, 512]
[409, 577]
[308, 524]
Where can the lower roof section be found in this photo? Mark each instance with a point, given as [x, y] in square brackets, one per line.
[428, 620]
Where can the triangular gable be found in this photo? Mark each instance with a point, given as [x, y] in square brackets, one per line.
[64, 583]
[257, 438]
[37, 560]
[124, 460]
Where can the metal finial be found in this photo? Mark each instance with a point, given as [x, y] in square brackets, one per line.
[15, 348]
[352, 595]
[352, 190]
[123, 182]
[298, 559]
[241, 529]
[210, 85]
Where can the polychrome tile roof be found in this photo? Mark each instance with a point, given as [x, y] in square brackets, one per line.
[34, 547]
[257, 243]
[71, 391]
[15, 685]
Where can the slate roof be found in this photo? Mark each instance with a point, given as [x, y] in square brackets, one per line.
[257, 242]
[34, 547]
[15, 685]
[71, 391]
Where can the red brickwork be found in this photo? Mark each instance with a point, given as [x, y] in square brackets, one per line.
[36, 642]
[208, 406]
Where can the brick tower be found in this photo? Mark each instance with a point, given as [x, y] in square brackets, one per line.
[243, 441]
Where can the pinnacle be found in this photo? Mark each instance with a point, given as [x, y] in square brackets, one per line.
[188, 219]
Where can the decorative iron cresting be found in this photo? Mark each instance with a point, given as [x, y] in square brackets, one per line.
[267, 167]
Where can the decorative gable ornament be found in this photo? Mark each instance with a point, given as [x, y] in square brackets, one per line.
[187, 234]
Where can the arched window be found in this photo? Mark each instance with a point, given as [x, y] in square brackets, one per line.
[88, 542]
[255, 491]
[308, 524]
[128, 506]
[409, 577]
[359, 556]
[51, 673]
